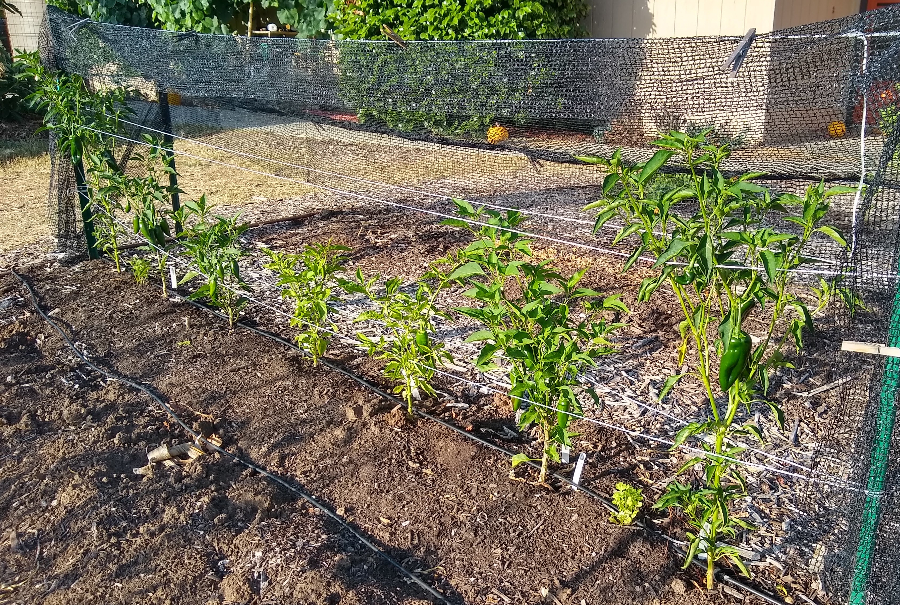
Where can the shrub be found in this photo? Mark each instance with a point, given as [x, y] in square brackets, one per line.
[470, 20]
[16, 85]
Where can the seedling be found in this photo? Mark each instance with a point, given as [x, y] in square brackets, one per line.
[723, 263]
[310, 280]
[140, 269]
[628, 500]
[409, 347]
[527, 317]
[213, 245]
[153, 226]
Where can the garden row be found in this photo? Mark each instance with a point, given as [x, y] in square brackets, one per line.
[722, 261]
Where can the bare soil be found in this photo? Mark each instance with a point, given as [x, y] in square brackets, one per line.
[81, 526]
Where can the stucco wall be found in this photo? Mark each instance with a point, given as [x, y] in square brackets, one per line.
[24, 30]
[676, 18]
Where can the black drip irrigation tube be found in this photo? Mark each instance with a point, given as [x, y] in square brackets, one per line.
[719, 574]
[275, 478]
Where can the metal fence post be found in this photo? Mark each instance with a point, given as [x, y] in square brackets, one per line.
[84, 200]
[169, 144]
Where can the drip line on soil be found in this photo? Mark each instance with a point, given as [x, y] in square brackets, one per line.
[200, 439]
[556, 240]
[828, 480]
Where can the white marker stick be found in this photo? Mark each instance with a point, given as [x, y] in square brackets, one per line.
[579, 466]
[172, 277]
[564, 454]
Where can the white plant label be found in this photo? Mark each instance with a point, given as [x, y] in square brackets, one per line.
[172, 277]
[564, 454]
[579, 466]
[519, 413]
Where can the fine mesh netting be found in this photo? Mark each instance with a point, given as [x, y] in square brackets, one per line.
[280, 127]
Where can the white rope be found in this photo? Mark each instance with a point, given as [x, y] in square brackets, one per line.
[862, 153]
[574, 244]
[831, 480]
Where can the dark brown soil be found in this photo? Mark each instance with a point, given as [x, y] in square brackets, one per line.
[80, 526]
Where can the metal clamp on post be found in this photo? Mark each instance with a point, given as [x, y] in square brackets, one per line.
[733, 62]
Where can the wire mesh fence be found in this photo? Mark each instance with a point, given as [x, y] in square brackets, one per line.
[276, 127]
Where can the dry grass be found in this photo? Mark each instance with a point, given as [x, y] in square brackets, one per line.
[23, 200]
[224, 185]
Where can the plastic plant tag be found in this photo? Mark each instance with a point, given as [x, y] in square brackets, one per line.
[172, 277]
[579, 466]
[519, 413]
[564, 454]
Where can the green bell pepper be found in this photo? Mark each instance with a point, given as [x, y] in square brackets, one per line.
[734, 358]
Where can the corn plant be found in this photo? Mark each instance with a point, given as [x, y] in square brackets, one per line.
[528, 315]
[310, 280]
[723, 263]
[213, 245]
[409, 347]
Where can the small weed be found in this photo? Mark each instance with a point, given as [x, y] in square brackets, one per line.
[628, 500]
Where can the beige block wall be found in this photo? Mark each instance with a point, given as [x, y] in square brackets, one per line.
[789, 13]
[677, 18]
[24, 30]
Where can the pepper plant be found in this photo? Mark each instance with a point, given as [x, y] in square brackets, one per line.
[213, 245]
[412, 353]
[72, 111]
[108, 199]
[310, 280]
[528, 315]
[724, 262]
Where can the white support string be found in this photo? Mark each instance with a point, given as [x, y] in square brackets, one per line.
[352, 194]
[862, 152]
[830, 480]
[360, 179]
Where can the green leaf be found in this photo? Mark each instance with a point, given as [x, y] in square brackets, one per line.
[670, 382]
[654, 164]
[771, 262]
[609, 182]
[685, 432]
[591, 159]
[833, 234]
[674, 249]
[466, 270]
[480, 335]
[520, 459]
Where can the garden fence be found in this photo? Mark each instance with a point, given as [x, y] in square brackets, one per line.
[403, 124]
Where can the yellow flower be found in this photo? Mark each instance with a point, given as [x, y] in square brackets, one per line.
[497, 134]
[837, 129]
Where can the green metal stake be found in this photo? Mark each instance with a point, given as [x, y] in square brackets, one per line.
[84, 200]
[865, 552]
